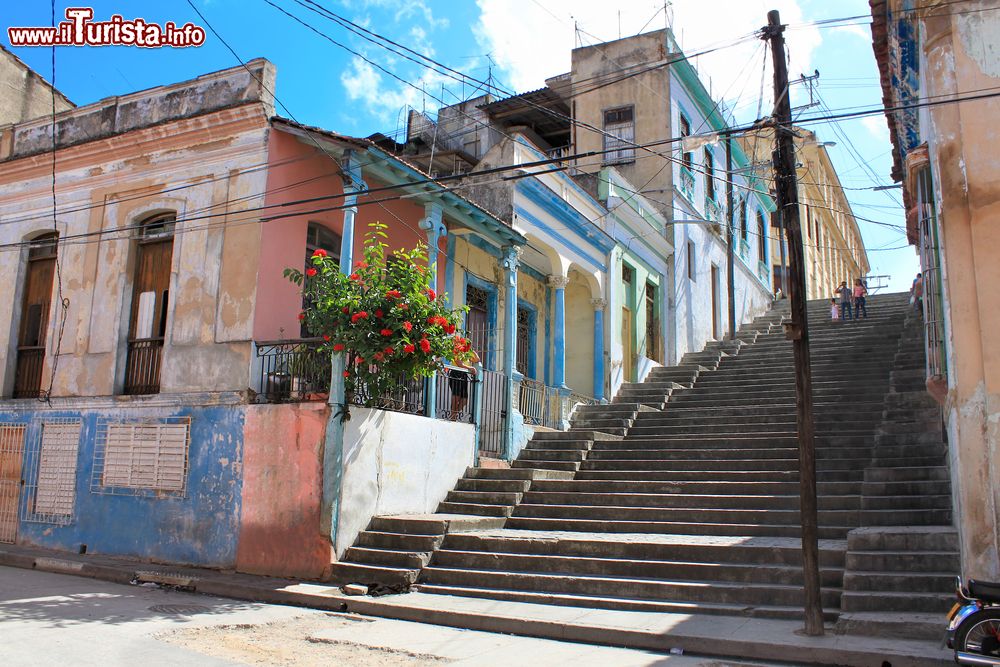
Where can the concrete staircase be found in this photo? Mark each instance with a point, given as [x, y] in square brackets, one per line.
[682, 494]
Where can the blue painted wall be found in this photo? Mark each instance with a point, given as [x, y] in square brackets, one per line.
[200, 528]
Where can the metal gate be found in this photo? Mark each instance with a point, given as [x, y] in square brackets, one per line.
[494, 410]
[11, 453]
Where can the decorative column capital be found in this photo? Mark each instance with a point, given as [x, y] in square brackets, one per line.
[432, 223]
[558, 282]
[511, 257]
[599, 304]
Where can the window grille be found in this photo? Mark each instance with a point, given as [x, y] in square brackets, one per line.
[50, 474]
[652, 324]
[709, 175]
[687, 157]
[619, 135]
[142, 456]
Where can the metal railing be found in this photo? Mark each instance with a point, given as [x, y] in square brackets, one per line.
[292, 370]
[493, 413]
[28, 375]
[142, 366]
[687, 183]
[455, 395]
[408, 397]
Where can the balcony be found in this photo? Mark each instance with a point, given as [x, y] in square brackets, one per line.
[687, 183]
[715, 214]
[142, 366]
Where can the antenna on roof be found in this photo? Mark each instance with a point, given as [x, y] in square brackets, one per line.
[489, 74]
[668, 15]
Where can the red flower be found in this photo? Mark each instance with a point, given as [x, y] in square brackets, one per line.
[358, 316]
[425, 345]
[449, 329]
[393, 294]
[386, 332]
[337, 347]
[319, 253]
[431, 294]
[403, 306]
[359, 360]
[326, 338]
[408, 348]
[388, 351]
[347, 374]
[361, 265]
[407, 326]
[354, 276]
[379, 356]
[345, 309]
[302, 316]
[378, 313]
[311, 272]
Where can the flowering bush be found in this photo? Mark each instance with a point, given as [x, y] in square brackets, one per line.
[384, 317]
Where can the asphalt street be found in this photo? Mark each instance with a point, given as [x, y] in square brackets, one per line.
[55, 619]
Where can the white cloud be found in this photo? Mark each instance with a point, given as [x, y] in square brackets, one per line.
[531, 43]
[383, 96]
[877, 126]
[857, 30]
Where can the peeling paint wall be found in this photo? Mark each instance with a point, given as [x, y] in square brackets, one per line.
[282, 491]
[199, 528]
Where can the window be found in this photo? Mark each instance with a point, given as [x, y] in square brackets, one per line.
[317, 237]
[709, 175]
[482, 303]
[144, 455]
[761, 238]
[690, 260]
[150, 297]
[619, 137]
[743, 221]
[687, 157]
[35, 305]
[525, 346]
[652, 324]
[55, 493]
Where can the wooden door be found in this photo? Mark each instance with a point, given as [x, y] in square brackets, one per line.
[628, 346]
[11, 453]
[33, 331]
[715, 302]
[148, 321]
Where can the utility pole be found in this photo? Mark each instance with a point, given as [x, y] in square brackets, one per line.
[798, 329]
[731, 234]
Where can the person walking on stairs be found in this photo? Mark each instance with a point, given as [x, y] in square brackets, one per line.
[834, 310]
[845, 300]
[860, 292]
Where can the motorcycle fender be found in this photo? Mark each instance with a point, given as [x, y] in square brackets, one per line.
[962, 614]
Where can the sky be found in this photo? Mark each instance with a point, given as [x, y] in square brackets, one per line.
[332, 78]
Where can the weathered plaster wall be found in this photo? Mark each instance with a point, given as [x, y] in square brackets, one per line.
[396, 463]
[954, 59]
[282, 491]
[197, 529]
[202, 168]
[579, 336]
[26, 94]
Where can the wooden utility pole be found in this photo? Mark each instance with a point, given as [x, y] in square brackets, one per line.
[730, 236]
[798, 329]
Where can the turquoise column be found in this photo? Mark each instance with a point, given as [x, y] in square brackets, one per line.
[599, 306]
[509, 260]
[558, 285]
[333, 449]
[435, 229]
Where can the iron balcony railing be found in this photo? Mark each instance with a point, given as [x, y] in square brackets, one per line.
[292, 370]
[142, 366]
[687, 183]
[28, 375]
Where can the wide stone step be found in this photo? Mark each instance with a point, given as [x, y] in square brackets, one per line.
[900, 582]
[630, 568]
[714, 488]
[723, 475]
[907, 488]
[515, 474]
[538, 454]
[477, 509]
[394, 558]
[631, 587]
[910, 601]
[868, 420]
[689, 453]
[670, 527]
[398, 541]
[562, 466]
[690, 549]
[577, 445]
[905, 561]
[431, 524]
[907, 474]
[574, 435]
[687, 500]
[371, 575]
[622, 603]
[904, 538]
[910, 502]
[484, 497]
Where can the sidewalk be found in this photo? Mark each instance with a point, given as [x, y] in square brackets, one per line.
[724, 636]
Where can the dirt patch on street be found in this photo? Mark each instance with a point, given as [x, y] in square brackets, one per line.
[294, 643]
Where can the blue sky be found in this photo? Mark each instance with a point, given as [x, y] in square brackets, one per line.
[516, 42]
